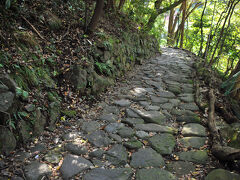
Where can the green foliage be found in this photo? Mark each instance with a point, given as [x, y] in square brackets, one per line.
[103, 68]
[228, 85]
[7, 4]
[21, 93]
[11, 123]
[69, 113]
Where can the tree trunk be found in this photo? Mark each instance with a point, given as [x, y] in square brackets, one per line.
[221, 34]
[170, 26]
[201, 26]
[209, 36]
[121, 3]
[175, 35]
[236, 69]
[110, 5]
[225, 34]
[183, 23]
[96, 16]
[159, 11]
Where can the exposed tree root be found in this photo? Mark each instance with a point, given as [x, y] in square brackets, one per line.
[226, 113]
[197, 95]
[222, 152]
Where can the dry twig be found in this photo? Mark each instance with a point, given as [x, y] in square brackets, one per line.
[33, 28]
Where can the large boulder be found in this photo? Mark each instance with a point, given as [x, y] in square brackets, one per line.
[39, 122]
[7, 93]
[100, 83]
[7, 141]
[78, 78]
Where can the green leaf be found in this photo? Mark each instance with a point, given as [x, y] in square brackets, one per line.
[18, 91]
[7, 4]
[24, 114]
[25, 94]
[1, 65]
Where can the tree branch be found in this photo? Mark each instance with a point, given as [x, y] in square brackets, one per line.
[163, 10]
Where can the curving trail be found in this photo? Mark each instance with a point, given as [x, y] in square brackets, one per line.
[149, 128]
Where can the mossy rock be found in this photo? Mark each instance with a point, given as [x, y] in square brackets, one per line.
[25, 130]
[26, 38]
[39, 122]
[7, 141]
[53, 21]
[100, 83]
[69, 113]
[79, 78]
[54, 112]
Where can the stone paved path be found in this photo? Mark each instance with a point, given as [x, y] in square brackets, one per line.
[149, 129]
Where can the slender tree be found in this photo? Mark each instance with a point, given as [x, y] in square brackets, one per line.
[225, 34]
[209, 35]
[121, 3]
[159, 11]
[96, 16]
[231, 4]
[183, 22]
[201, 26]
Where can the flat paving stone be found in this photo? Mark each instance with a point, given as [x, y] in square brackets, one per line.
[152, 116]
[75, 148]
[158, 100]
[99, 138]
[151, 127]
[174, 89]
[163, 143]
[90, 126]
[96, 153]
[36, 170]
[20, 157]
[187, 89]
[53, 157]
[123, 102]
[154, 174]
[109, 174]
[175, 102]
[152, 108]
[187, 98]
[194, 129]
[199, 156]
[189, 119]
[145, 104]
[222, 174]
[38, 148]
[133, 121]
[142, 134]
[146, 158]
[111, 109]
[165, 94]
[189, 106]
[180, 168]
[71, 136]
[167, 106]
[113, 127]
[108, 117]
[115, 137]
[125, 132]
[133, 144]
[194, 142]
[131, 114]
[73, 165]
[117, 155]
[138, 91]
